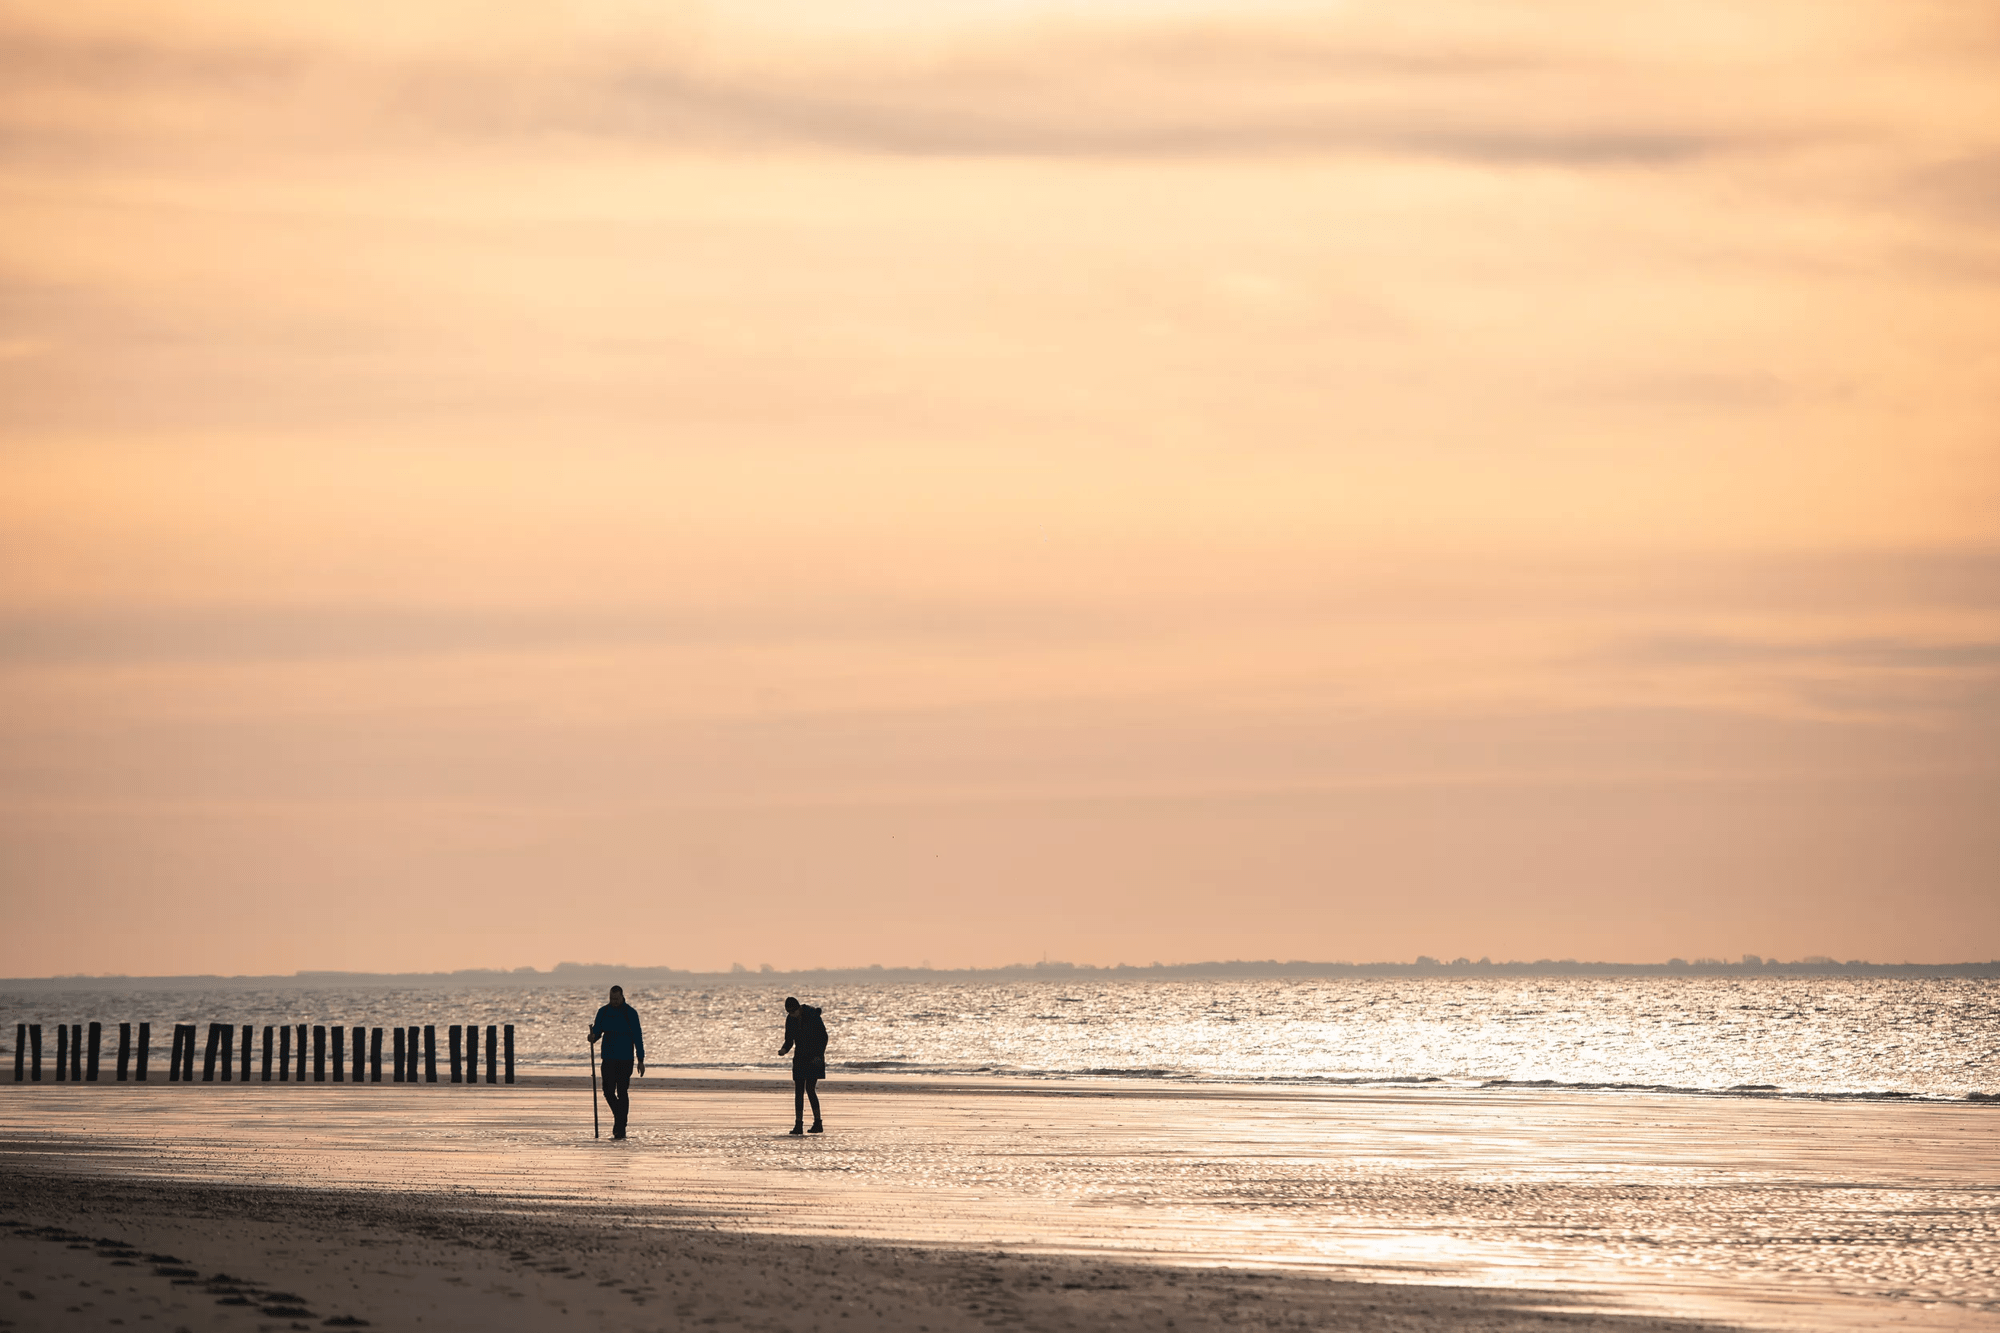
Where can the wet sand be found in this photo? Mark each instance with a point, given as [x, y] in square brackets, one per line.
[938, 1206]
[86, 1253]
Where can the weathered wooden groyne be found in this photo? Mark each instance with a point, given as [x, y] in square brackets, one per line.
[338, 1054]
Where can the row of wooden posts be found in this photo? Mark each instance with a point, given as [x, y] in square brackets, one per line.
[78, 1062]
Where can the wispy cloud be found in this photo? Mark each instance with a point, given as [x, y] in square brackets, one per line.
[1967, 186]
[1886, 679]
[1219, 88]
[333, 633]
[1872, 653]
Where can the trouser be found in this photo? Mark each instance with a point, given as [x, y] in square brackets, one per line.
[802, 1088]
[618, 1091]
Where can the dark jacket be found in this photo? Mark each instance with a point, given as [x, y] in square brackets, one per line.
[618, 1024]
[807, 1031]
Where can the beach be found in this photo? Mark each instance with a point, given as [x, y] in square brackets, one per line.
[940, 1205]
[304, 1258]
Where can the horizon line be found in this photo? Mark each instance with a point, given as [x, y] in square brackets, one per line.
[1423, 965]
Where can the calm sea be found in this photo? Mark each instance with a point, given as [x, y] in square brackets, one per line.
[1812, 1036]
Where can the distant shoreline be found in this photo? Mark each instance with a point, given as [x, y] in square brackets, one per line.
[598, 974]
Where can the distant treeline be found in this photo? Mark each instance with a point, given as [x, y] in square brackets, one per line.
[601, 974]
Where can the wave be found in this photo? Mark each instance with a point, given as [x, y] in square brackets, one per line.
[1166, 1075]
[878, 1064]
[1763, 1090]
[1441, 1083]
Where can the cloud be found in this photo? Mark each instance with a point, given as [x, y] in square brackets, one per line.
[1214, 89]
[1870, 653]
[1486, 598]
[1727, 389]
[319, 632]
[1967, 187]
[1881, 679]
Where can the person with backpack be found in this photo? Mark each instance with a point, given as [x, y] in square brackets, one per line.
[805, 1037]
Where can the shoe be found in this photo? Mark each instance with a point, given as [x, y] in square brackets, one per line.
[817, 1128]
[798, 1129]
[617, 1133]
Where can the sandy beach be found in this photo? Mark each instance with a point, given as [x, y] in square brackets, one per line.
[938, 1206]
[212, 1257]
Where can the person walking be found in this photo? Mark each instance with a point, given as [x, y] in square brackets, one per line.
[805, 1037]
[624, 1044]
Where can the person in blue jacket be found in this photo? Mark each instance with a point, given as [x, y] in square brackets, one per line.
[618, 1024]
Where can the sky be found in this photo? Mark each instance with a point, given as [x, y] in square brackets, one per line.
[976, 481]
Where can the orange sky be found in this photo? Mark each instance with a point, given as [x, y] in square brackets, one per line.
[971, 481]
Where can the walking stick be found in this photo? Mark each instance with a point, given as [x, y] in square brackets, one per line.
[594, 1133]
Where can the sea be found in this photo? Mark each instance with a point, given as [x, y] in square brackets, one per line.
[1892, 1038]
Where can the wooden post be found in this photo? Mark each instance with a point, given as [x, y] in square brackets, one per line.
[300, 1077]
[319, 1053]
[492, 1053]
[20, 1052]
[62, 1052]
[457, 1066]
[174, 1063]
[35, 1052]
[472, 1052]
[375, 1055]
[268, 1030]
[510, 1052]
[285, 1053]
[76, 1052]
[96, 1045]
[399, 1054]
[145, 1050]
[360, 1051]
[247, 1030]
[410, 1072]
[124, 1051]
[430, 1053]
[208, 1056]
[187, 1056]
